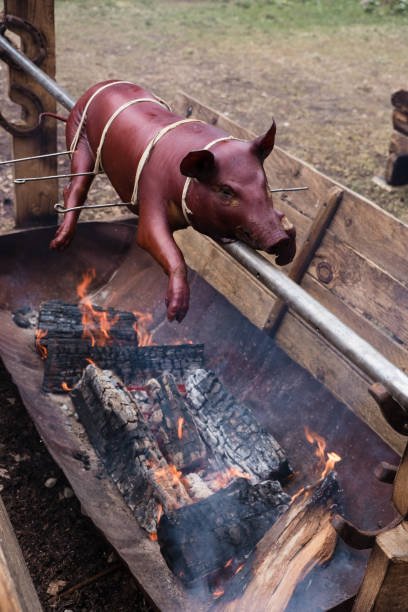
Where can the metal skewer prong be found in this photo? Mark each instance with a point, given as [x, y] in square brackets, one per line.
[20, 181]
[60, 207]
[22, 159]
[288, 189]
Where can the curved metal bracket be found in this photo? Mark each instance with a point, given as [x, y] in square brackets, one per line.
[359, 538]
[392, 412]
[19, 26]
[32, 106]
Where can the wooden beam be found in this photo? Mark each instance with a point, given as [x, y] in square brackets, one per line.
[34, 201]
[385, 584]
[312, 241]
[17, 593]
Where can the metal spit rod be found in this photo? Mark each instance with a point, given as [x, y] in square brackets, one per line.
[357, 350]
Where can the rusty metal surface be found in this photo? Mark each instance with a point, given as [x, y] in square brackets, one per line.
[283, 395]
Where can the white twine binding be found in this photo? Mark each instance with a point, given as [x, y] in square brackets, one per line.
[184, 207]
[109, 123]
[148, 150]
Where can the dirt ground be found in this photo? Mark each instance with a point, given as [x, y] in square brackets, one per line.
[328, 88]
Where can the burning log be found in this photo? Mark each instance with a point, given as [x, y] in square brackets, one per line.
[173, 425]
[200, 538]
[64, 320]
[121, 436]
[299, 540]
[231, 430]
[67, 359]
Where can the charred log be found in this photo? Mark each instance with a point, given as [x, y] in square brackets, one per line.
[67, 359]
[231, 430]
[122, 438]
[65, 321]
[198, 539]
[173, 426]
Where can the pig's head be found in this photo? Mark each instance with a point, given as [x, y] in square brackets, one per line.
[229, 196]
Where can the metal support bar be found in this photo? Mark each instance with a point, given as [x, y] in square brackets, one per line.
[357, 350]
[43, 79]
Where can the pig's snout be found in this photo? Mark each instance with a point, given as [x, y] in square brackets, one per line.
[284, 246]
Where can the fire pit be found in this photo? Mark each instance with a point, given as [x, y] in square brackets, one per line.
[282, 398]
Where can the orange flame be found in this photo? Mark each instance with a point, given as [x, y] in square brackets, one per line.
[40, 348]
[228, 562]
[222, 479]
[159, 512]
[96, 323]
[218, 592]
[325, 465]
[144, 319]
[180, 427]
[153, 536]
[239, 569]
[65, 386]
[167, 476]
[89, 360]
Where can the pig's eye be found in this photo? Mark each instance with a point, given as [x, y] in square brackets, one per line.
[227, 191]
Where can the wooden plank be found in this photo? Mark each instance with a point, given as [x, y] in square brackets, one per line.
[361, 224]
[385, 584]
[388, 347]
[17, 593]
[316, 232]
[362, 286]
[34, 201]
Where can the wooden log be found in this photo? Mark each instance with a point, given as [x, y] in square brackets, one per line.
[173, 426]
[67, 358]
[63, 320]
[122, 438]
[400, 488]
[399, 99]
[198, 539]
[400, 121]
[385, 584]
[396, 169]
[34, 201]
[299, 540]
[231, 430]
[17, 593]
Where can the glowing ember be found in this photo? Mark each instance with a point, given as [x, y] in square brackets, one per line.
[222, 479]
[65, 387]
[180, 428]
[96, 324]
[218, 593]
[168, 476]
[39, 334]
[89, 360]
[153, 536]
[145, 338]
[159, 512]
[228, 563]
[239, 569]
[332, 458]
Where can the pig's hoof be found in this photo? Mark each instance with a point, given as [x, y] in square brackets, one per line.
[177, 299]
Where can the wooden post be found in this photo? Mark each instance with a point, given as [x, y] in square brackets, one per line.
[33, 21]
[17, 593]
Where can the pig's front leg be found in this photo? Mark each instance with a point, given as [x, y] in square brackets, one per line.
[155, 236]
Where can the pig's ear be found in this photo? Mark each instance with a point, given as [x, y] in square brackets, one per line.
[199, 164]
[263, 145]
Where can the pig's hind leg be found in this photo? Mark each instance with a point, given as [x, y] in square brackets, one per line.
[75, 192]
